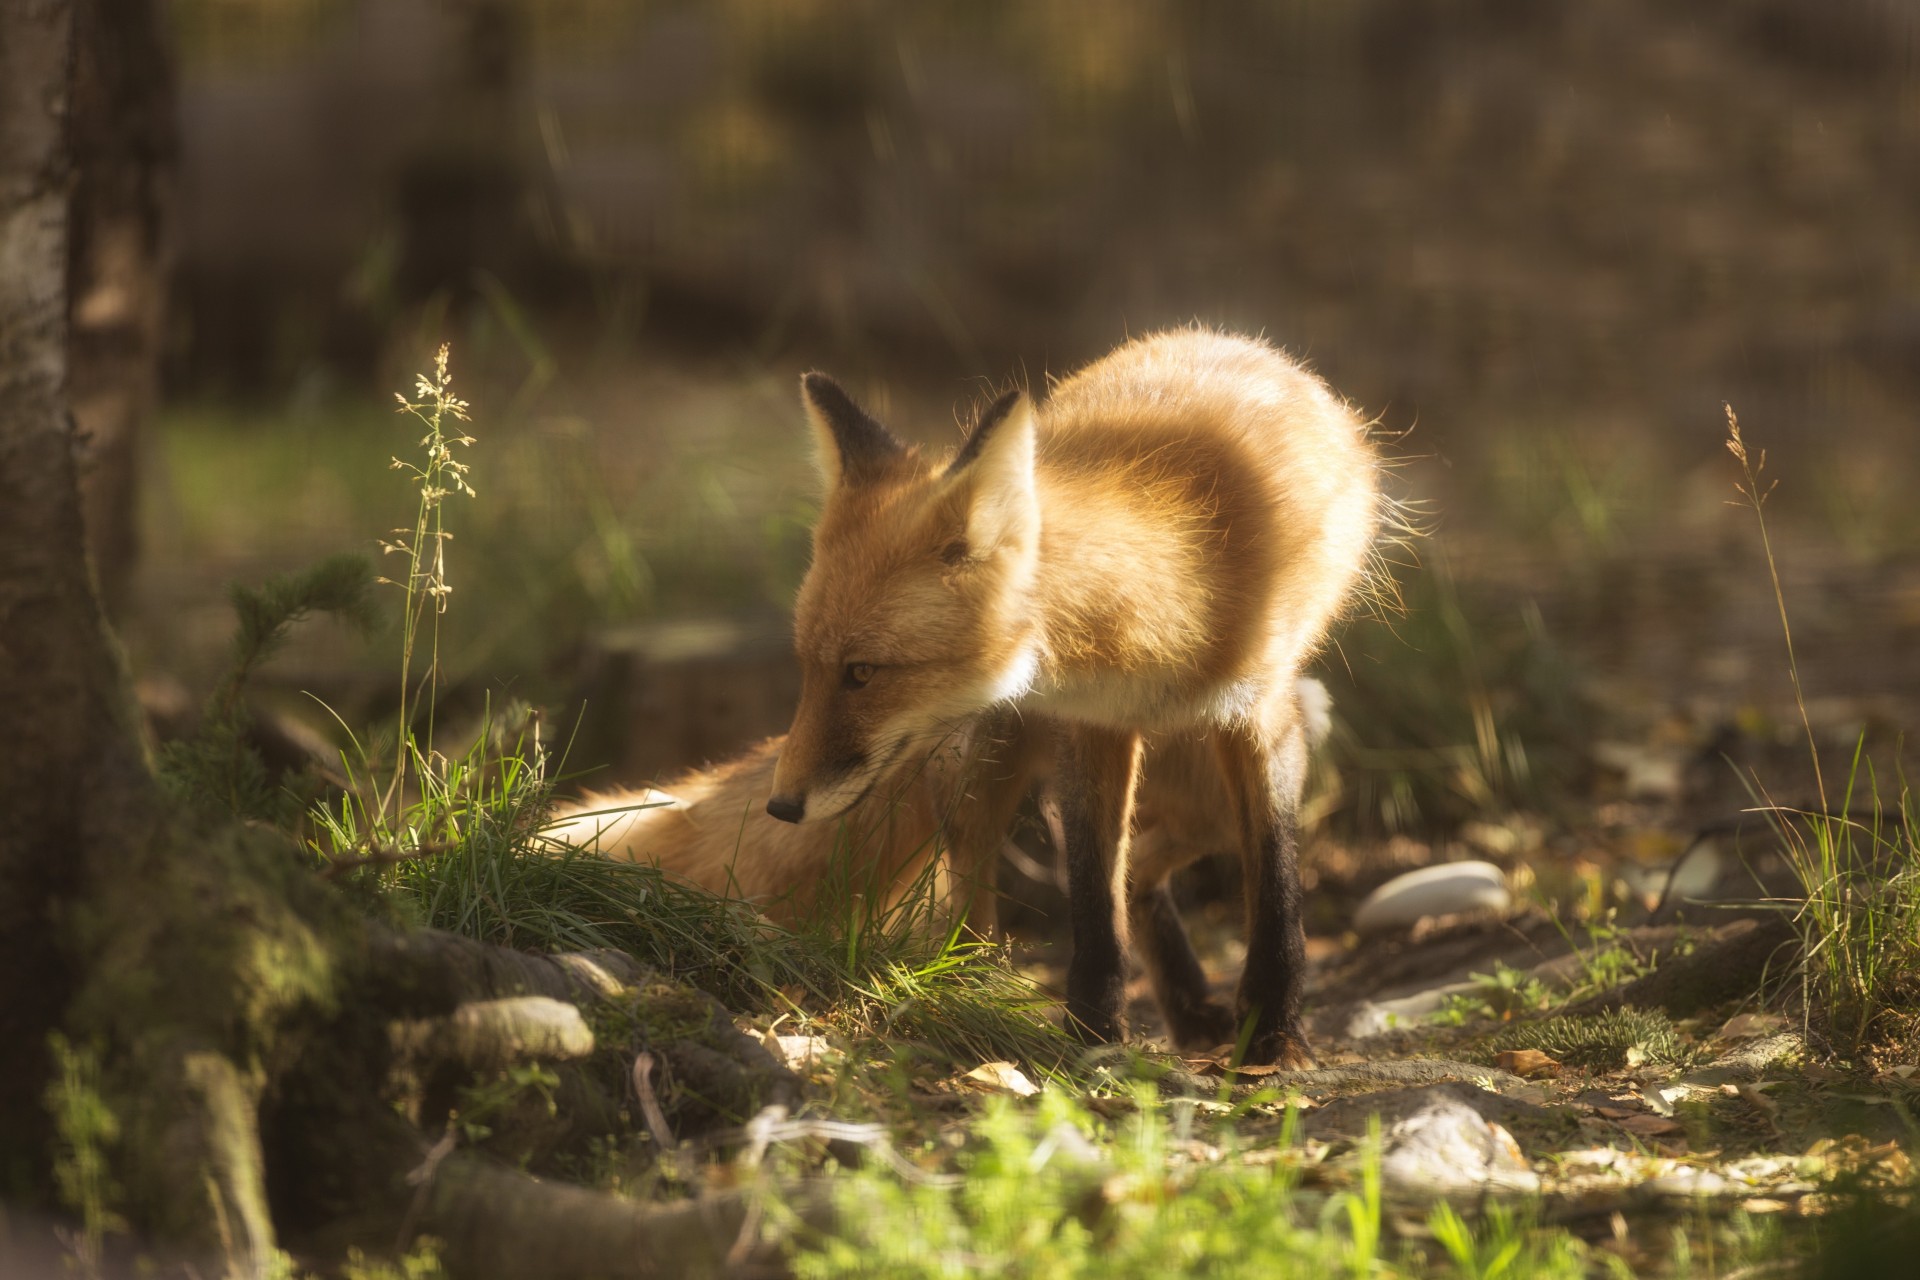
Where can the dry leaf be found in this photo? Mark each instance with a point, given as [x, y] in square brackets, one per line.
[1002, 1076]
[1747, 1026]
[1648, 1126]
[1759, 1101]
[797, 1053]
[1526, 1063]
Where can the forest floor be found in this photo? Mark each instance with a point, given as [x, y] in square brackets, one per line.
[1684, 1046]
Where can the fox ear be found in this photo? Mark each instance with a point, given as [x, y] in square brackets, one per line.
[850, 446]
[991, 478]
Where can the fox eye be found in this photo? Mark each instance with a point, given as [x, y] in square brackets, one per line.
[858, 673]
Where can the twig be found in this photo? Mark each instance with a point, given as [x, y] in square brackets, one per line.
[650, 1104]
[382, 858]
[422, 1179]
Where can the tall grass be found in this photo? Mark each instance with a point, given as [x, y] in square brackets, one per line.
[1859, 917]
[438, 476]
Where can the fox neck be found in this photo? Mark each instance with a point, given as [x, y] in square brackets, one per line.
[1116, 636]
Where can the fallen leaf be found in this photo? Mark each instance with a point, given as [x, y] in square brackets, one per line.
[1648, 1126]
[1256, 1069]
[1526, 1063]
[797, 1053]
[1003, 1076]
[1747, 1026]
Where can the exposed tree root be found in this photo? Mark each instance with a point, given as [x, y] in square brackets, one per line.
[1737, 961]
[505, 1225]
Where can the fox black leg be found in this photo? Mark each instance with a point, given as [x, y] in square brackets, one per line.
[1264, 768]
[1194, 1019]
[1094, 795]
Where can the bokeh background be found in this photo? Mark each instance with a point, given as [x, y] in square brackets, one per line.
[1541, 243]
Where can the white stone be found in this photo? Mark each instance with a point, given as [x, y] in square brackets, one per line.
[1445, 889]
[1447, 1147]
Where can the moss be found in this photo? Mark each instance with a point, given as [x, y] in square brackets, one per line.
[1603, 1041]
[205, 945]
[707, 1071]
[214, 933]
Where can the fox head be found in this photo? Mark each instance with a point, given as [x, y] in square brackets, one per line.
[915, 613]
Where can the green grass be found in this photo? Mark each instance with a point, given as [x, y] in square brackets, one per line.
[467, 855]
[1048, 1189]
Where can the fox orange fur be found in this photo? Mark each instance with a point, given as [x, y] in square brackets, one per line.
[1161, 545]
[708, 827]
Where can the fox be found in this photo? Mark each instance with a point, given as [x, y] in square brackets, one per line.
[704, 827]
[1159, 546]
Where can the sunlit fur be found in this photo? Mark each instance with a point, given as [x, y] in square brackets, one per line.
[1159, 547]
[1161, 544]
[709, 827]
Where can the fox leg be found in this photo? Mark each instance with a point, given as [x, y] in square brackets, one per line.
[1001, 759]
[1094, 795]
[1194, 1019]
[1264, 765]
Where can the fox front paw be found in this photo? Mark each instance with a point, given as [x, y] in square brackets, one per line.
[1284, 1048]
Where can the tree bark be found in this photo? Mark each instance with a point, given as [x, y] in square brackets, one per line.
[123, 145]
[75, 778]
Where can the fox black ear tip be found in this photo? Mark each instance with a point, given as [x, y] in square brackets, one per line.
[813, 382]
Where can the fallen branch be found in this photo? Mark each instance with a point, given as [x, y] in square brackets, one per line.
[386, 857]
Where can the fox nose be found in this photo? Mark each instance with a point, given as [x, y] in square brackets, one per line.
[787, 810]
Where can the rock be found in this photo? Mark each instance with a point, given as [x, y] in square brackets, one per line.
[1442, 1138]
[1447, 1147]
[1750, 1060]
[1446, 889]
[487, 1035]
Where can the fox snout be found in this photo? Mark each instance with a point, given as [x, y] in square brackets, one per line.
[807, 789]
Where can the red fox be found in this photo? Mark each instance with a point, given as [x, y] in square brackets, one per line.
[1160, 546]
[705, 827]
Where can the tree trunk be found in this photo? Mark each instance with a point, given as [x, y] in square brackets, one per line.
[74, 779]
[123, 146]
[237, 1020]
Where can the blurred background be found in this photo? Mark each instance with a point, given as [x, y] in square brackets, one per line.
[1541, 244]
